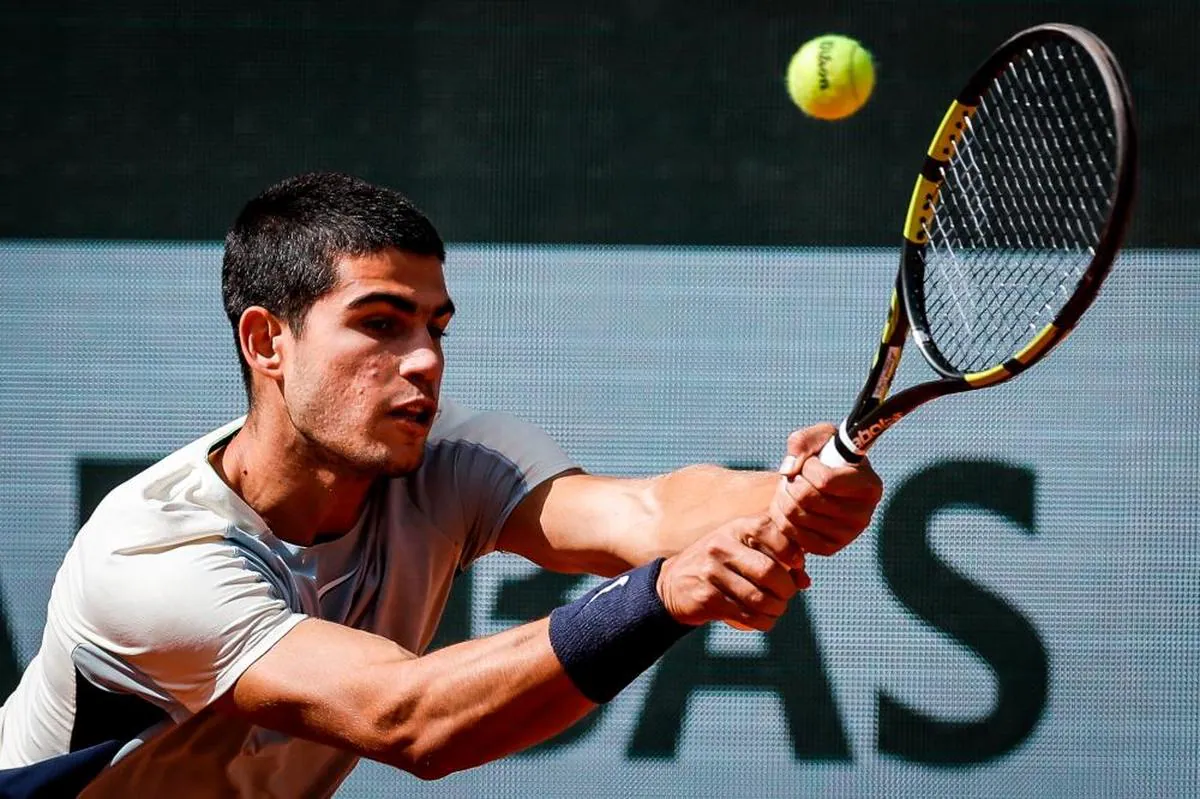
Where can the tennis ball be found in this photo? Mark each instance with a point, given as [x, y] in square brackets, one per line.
[830, 77]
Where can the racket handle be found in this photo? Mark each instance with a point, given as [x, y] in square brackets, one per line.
[830, 455]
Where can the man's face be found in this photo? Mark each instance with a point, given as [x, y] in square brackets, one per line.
[363, 378]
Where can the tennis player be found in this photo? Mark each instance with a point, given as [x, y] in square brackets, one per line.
[248, 617]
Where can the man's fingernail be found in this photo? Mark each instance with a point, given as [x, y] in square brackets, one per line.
[788, 466]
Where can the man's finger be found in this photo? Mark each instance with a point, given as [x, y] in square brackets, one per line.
[749, 598]
[771, 540]
[803, 444]
[848, 482]
[764, 573]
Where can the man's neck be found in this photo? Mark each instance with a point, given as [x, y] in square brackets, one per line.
[300, 498]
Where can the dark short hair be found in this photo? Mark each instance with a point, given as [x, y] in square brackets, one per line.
[280, 252]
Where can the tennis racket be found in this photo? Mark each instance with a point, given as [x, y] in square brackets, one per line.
[1018, 213]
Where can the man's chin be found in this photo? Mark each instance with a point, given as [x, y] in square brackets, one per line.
[407, 464]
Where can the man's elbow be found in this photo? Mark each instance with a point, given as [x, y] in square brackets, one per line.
[416, 747]
[421, 767]
[430, 770]
[427, 761]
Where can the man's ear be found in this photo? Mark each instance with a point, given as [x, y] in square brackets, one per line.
[260, 334]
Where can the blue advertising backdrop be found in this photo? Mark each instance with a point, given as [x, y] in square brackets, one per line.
[1020, 619]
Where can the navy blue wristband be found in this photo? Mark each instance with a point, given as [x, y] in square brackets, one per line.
[614, 632]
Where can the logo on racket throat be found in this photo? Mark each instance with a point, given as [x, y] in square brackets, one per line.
[864, 437]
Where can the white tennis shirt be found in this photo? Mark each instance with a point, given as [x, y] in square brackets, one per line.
[175, 586]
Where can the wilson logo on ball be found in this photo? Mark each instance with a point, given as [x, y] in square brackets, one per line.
[824, 56]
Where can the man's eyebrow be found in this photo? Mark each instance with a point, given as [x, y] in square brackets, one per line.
[400, 303]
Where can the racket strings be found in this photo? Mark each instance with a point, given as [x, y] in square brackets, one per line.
[1022, 205]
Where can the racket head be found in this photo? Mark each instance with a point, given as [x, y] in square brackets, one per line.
[1021, 206]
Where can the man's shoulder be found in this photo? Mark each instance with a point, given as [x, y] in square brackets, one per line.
[177, 498]
[453, 420]
[458, 424]
[484, 455]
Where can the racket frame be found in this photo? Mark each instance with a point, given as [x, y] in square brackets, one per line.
[875, 411]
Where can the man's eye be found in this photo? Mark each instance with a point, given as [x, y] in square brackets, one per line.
[378, 324]
[437, 333]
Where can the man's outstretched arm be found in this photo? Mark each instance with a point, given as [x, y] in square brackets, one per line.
[453, 709]
[479, 700]
[603, 525]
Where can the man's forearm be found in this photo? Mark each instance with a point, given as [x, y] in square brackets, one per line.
[449, 710]
[485, 699]
[690, 502]
[482, 699]
[605, 525]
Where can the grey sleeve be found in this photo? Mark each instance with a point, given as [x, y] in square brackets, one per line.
[482, 464]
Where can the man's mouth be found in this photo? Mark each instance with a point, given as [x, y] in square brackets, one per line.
[419, 412]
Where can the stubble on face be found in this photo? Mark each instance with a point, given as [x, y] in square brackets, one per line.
[367, 367]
